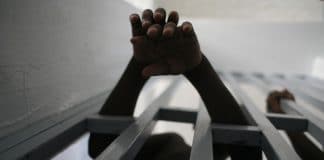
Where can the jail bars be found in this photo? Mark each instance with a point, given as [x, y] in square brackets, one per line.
[48, 137]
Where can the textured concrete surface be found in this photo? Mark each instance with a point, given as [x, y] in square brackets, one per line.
[54, 54]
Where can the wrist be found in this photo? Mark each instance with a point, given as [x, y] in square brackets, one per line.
[202, 68]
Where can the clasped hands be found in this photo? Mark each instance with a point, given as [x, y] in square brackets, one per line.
[162, 46]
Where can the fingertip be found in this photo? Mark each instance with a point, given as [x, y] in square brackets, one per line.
[173, 17]
[168, 32]
[133, 18]
[187, 27]
[157, 17]
[169, 29]
[146, 24]
[154, 31]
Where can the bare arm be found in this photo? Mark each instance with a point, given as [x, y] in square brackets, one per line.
[305, 148]
[122, 99]
[220, 104]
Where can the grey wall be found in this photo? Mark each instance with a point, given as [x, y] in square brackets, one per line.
[54, 54]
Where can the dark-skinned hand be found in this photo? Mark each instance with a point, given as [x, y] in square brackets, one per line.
[273, 100]
[162, 46]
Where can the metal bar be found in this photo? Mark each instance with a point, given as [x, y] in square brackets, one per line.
[108, 124]
[316, 82]
[227, 134]
[315, 124]
[12, 139]
[273, 144]
[302, 93]
[236, 134]
[259, 82]
[202, 145]
[312, 87]
[130, 141]
[54, 138]
[288, 122]
[177, 114]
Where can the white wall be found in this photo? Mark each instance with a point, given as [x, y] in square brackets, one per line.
[256, 10]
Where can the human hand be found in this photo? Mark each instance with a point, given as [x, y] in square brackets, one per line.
[162, 46]
[273, 100]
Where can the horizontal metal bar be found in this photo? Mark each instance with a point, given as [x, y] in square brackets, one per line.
[130, 141]
[236, 134]
[315, 124]
[12, 139]
[273, 144]
[304, 82]
[177, 114]
[259, 82]
[45, 143]
[108, 124]
[301, 92]
[288, 122]
[202, 145]
[315, 81]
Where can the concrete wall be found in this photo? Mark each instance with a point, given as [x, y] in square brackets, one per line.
[54, 54]
[259, 10]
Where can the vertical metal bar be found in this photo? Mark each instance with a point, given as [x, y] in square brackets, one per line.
[202, 146]
[273, 144]
[130, 141]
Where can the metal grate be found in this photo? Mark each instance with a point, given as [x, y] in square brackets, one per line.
[46, 138]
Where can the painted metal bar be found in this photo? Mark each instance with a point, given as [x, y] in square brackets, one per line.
[236, 134]
[316, 89]
[288, 122]
[202, 145]
[301, 92]
[130, 141]
[258, 81]
[272, 143]
[108, 124]
[315, 81]
[315, 124]
[227, 134]
[177, 114]
[11, 139]
[46, 142]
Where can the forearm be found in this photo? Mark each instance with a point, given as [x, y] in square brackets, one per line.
[305, 148]
[122, 99]
[220, 104]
